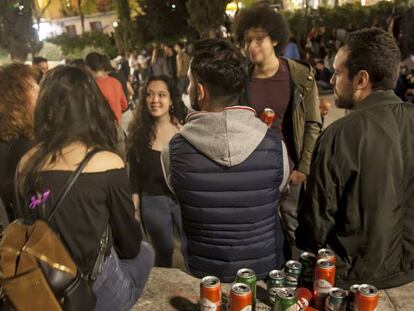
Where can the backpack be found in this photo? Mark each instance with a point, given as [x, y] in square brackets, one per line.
[36, 270]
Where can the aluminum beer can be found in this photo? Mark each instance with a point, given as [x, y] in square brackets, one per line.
[275, 279]
[210, 294]
[366, 298]
[326, 253]
[323, 281]
[304, 297]
[240, 297]
[353, 290]
[247, 276]
[308, 261]
[285, 300]
[337, 300]
[268, 116]
[293, 271]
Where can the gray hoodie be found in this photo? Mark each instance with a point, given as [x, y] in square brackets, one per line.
[228, 137]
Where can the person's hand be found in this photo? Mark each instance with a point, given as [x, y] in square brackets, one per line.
[297, 177]
[409, 94]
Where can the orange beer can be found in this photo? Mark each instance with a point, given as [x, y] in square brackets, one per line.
[240, 297]
[326, 253]
[210, 294]
[366, 298]
[323, 281]
[268, 116]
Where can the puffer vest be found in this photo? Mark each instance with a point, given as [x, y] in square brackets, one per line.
[230, 214]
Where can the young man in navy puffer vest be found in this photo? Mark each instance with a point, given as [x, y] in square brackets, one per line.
[227, 170]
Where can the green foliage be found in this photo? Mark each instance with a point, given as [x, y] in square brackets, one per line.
[206, 16]
[75, 45]
[51, 51]
[340, 17]
[161, 20]
[18, 36]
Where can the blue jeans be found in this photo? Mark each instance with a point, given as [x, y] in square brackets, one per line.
[122, 282]
[159, 214]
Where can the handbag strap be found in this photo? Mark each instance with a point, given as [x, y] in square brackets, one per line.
[71, 180]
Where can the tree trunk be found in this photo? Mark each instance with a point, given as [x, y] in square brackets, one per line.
[82, 16]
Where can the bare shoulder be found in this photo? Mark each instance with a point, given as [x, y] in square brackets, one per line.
[26, 157]
[104, 161]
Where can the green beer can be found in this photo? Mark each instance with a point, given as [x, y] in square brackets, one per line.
[248, 277]
[285, 299]
[293, 271]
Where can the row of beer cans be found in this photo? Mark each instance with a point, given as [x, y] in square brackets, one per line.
[301, 285]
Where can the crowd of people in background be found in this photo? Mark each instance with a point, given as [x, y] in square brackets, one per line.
[239, 193]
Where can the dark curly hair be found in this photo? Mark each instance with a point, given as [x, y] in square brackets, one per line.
[262, 16]
[142, 128]
[221, 67]
[377, 52]
[16, 117]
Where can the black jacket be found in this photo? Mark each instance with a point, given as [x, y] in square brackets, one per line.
[360, 195]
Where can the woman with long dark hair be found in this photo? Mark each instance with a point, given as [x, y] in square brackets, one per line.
[158, 118]
[71, 119]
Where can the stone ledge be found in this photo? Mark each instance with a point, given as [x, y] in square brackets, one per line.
[173, 289]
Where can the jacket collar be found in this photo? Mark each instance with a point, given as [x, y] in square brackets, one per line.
[378, 98]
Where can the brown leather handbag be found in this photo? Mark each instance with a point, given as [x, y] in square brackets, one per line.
[36, 270]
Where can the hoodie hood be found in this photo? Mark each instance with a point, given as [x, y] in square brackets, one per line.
[228, 137]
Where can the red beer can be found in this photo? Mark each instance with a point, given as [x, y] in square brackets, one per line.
[366, 298]
[304, 296]
[326, 253]
[240, 297]
[323, 281]
[268, 116]
[210, 294]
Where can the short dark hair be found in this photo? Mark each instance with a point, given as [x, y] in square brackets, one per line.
[265, 17]
[38, 59]
[377, 52]
[221, 67]
[94, 61]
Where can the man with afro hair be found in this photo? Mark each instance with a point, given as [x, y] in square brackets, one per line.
[286, 86]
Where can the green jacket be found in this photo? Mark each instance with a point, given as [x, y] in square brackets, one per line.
[302, 121]
[360, 194]
[304, 113]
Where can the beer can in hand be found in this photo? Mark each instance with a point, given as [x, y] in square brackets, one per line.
[268, 116]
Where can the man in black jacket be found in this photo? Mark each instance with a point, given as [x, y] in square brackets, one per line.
[360, 196]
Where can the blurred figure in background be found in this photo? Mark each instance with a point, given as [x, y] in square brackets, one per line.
[19, 91]
[183, 62]
[41, 66]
